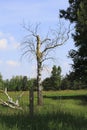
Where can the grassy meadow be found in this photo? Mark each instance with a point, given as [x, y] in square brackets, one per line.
[62, 110]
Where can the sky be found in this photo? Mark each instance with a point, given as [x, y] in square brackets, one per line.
[13, 13]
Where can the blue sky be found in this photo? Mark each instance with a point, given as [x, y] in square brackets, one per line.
[12, 15]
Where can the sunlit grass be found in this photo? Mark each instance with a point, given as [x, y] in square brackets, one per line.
[62, 110]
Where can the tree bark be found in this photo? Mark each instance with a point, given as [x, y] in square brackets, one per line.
[39, 85]
[39, 69]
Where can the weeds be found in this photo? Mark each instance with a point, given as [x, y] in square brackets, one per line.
[56, 114]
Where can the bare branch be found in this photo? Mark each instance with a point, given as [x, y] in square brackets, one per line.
[10, 103]
[47, 58]
[28, 47]
[36, 28]
[59, 39]
[31, 30]
[45, 40]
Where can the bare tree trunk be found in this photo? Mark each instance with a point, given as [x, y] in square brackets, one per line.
[39, 85]
[39, 69]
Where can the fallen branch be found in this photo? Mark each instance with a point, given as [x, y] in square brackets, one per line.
[10, 103]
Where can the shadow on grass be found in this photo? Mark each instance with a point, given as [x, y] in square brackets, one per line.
[48, 121]
[81, 97]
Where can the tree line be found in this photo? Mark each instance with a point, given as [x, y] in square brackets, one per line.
[55, 82]
[16, 83]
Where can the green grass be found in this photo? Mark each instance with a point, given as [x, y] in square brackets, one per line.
[62, 110]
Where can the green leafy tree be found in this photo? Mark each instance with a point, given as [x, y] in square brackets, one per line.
[77, 13]
[18, 82]
[47, 84]
[24, 83]
[15, 83]
[34, 82]
[65, 83]
[6, 83]
[70, 82]
[56, 77]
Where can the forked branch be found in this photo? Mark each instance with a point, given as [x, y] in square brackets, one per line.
[10, 102]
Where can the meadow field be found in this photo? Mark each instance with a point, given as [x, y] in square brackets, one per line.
[62, 110]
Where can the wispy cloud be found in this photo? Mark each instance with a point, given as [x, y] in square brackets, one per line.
[12, 63]
[14, 44]
[7, 41]
[3, 43]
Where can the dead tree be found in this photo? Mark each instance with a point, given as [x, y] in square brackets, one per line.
[10, 102]
[41, 48]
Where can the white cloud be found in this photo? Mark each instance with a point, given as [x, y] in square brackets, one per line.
[13, 43]
[7, 41]
[13, 63]
[16, 45]
[3, 43]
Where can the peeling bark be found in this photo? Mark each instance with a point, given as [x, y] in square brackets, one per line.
[39, 69]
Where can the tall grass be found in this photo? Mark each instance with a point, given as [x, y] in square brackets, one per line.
[61, 111]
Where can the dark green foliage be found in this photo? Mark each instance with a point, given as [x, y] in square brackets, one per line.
[54, 82]
[65, 84]
[56, 77]
[17, 83]
[47, 84]
[32, 82]
[24, 83]
[77, 13]
[72, 10]
[70, 82]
